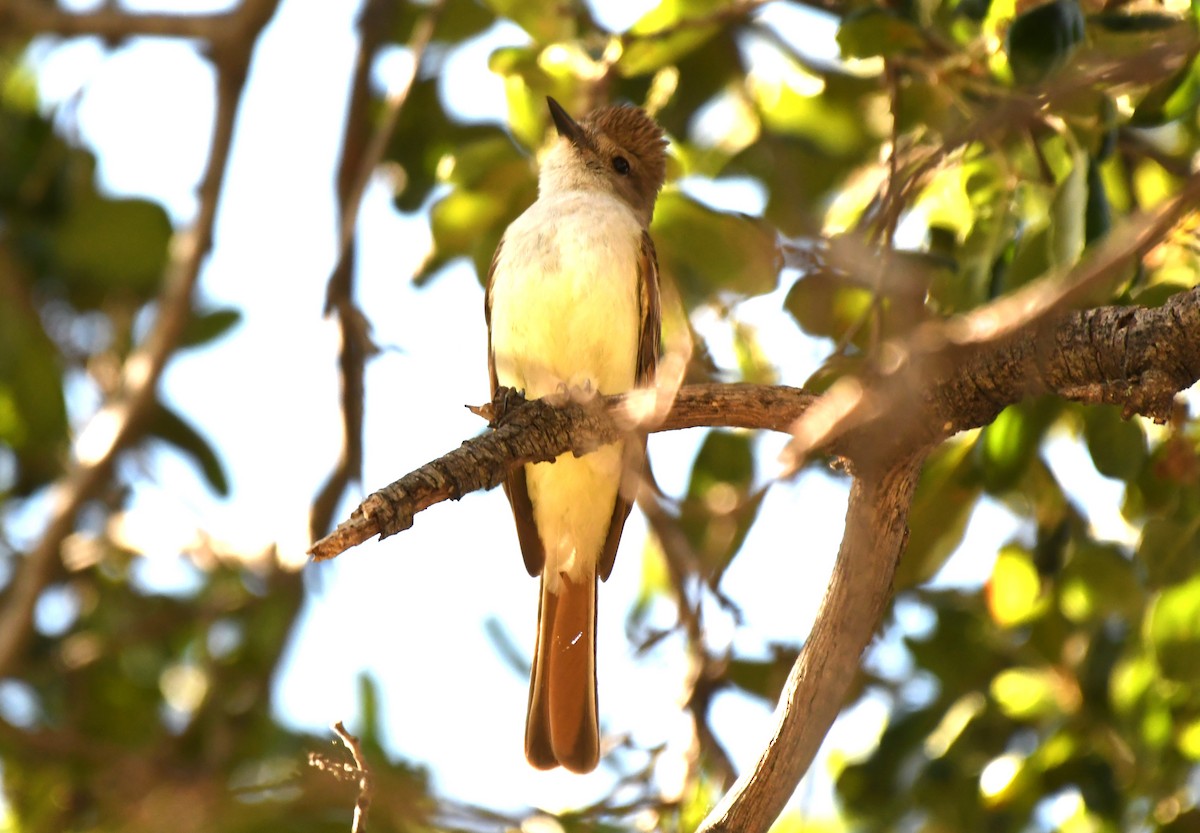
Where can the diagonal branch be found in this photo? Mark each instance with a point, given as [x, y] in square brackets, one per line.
[536, 432]
[858, 592]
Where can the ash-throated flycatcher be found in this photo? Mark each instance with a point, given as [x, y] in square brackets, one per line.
[572, 310]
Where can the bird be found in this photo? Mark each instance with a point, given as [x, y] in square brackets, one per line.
[572, 309]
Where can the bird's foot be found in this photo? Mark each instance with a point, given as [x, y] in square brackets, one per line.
[583, 393]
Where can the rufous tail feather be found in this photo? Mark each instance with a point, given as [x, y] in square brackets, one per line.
[562, 726]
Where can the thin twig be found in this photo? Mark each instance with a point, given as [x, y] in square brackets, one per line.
[360, 159]
[120, 422]
[366, 782]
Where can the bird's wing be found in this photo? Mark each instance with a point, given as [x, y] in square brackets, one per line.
[647, 361]
[514, 483]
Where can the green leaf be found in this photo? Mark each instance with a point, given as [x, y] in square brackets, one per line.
[1098, 214]
[458, 20]
[169, 426]
[825, 304]
[1043, 39]
[108, 248]
[1118, 446]
[944, 500]
[1170, 549]
[764, 678]
[1025, 693]
[720, 507]
[1014, 588]
[1135, 23]
[542, 24]
[205, 327]
[33, 412]
[1097, 582]
[1068, 213]
[645, 55]
[872, 31]
[708, 251]
[1006, 448]
[1173, 631]
[1170, 98]
[494, 182]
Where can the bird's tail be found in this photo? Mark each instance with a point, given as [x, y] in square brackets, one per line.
[562, 727]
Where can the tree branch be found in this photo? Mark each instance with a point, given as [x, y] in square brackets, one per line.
[858, 593]
[532, 432]
[120, 422]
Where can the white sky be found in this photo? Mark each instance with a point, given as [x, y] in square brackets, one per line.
[410, 610]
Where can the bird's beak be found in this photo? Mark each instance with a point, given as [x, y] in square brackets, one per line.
[567, 126]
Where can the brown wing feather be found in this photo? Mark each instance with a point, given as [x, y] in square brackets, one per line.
[647, 361]
[514, 483]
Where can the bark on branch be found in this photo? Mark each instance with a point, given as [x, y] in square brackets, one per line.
[1137, 357]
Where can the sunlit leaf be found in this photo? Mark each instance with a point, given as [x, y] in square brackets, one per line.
[1173, 631]
[1014, 589]
[1025, 693]
[1007, 446]
[533, 18]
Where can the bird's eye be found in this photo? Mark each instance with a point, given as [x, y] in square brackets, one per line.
[621, 165]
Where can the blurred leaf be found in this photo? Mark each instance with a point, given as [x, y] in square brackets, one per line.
[494, 183]
[1173, 631]
[205, 327]
[1006, 448]
[872, 31]
[826, 304]
[754, 364]
[458, 20]
[1098, 214]
[647, 54]
[1068, 213]
[1025, 693]
[1136, 22]
[944, 500]
[33, 413]
[1170, 98]
[1014, 589]
[534, 19]
[1170, 549]
[1043, 39]
[1098, 582]
[828, 115]
[371, 732]
[764, 679]
[720, 507]
[1117, 446]
[112, 246]
[169, 426]
[708, 251]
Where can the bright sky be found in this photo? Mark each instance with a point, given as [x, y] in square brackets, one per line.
[410, 610]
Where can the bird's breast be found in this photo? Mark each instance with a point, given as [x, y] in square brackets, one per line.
[565, 298]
